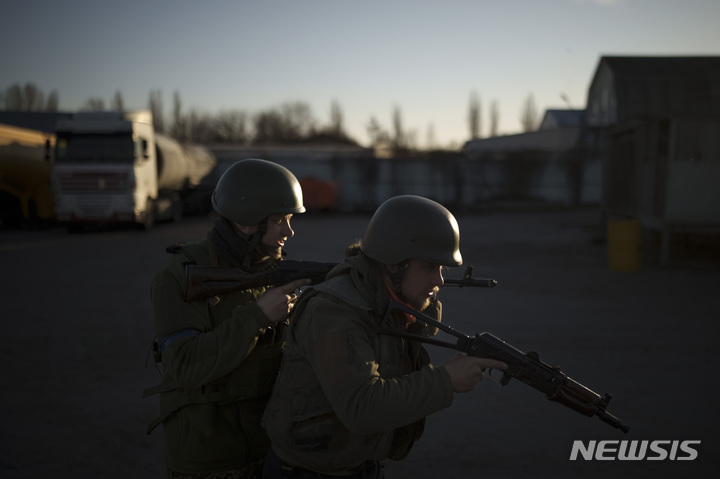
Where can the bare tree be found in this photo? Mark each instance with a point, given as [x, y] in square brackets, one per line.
[200, 128]
[292, 121]
[298, 120]
[529, 114]
[27, 97]
[494, 118]
[156, 108]
[14, 98]
[376, 132]
[178, 129]
[231, 126]
[34, 98]
[94, 104]
[411, 142]
[53, 101]
[336, 120]
[268, 127]
[398, 133]
[474, 116]
[453, 145]
[117, 101]
[430, 137]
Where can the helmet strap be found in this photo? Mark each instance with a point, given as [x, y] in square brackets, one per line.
[242, 250]
[409, 319]
[253, 243]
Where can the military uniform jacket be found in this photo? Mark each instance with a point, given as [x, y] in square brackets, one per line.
[217, 376]
[346, 393]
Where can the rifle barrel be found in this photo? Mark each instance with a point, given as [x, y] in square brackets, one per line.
[472, 283]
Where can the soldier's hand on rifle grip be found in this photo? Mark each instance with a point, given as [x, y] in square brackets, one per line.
[277, 302]
[466, 371]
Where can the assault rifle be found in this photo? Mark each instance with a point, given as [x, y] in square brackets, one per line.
[206, 282]
[527, 368]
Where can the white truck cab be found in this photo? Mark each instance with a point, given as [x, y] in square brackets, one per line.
[106, 168]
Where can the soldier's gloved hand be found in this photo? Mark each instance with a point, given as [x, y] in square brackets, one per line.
[277, 302]
[466, 371]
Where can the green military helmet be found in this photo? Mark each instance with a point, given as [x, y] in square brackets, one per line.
[251, 190]
[407, 227]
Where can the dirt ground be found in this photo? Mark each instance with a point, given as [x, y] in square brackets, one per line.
[76, 328]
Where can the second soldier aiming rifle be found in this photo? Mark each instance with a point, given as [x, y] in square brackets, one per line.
[205, 281]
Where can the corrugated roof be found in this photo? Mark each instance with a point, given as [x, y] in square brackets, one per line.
[654, 86]
[565, 118]
[678, 67]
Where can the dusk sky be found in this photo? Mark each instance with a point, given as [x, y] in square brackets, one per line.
[425, 57]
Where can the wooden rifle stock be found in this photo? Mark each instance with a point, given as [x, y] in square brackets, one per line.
[205, 282]
[579, 398]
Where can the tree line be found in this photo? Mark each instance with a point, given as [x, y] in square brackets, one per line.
[290, 122]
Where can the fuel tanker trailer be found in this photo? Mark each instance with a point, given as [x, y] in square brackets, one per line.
[25, 166]
[112, 167]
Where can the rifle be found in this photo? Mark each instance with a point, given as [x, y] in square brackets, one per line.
[468, 281]
[527, 368]
[206, 282]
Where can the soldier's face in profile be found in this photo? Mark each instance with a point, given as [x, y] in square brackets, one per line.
[421, 282]
[278, 230]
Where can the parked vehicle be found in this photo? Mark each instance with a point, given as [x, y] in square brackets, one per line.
[112, 167]
[25, 166]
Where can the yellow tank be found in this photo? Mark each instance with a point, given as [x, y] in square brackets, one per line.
[624, 243]
[25, 167]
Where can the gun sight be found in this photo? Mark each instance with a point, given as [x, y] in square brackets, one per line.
[470, 282]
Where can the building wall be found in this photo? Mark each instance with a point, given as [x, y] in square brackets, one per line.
[660, 118]
[665, 172]
[693, 194]
[557, 140]
[472, 182]
[359, 182]
[693, 177]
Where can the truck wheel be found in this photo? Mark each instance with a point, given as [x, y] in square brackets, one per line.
[149, 220]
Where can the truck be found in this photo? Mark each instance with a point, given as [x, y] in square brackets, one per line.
[25, 166]
[112, 167]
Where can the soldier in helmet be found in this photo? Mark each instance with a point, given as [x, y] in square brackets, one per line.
[350, 393]
[220, 356]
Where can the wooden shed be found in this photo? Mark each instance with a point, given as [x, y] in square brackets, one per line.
[656, 121]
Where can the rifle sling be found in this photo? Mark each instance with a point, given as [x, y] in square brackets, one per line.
[397, 306]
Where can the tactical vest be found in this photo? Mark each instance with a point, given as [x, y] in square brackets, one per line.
[319, 414]
[403, 437]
